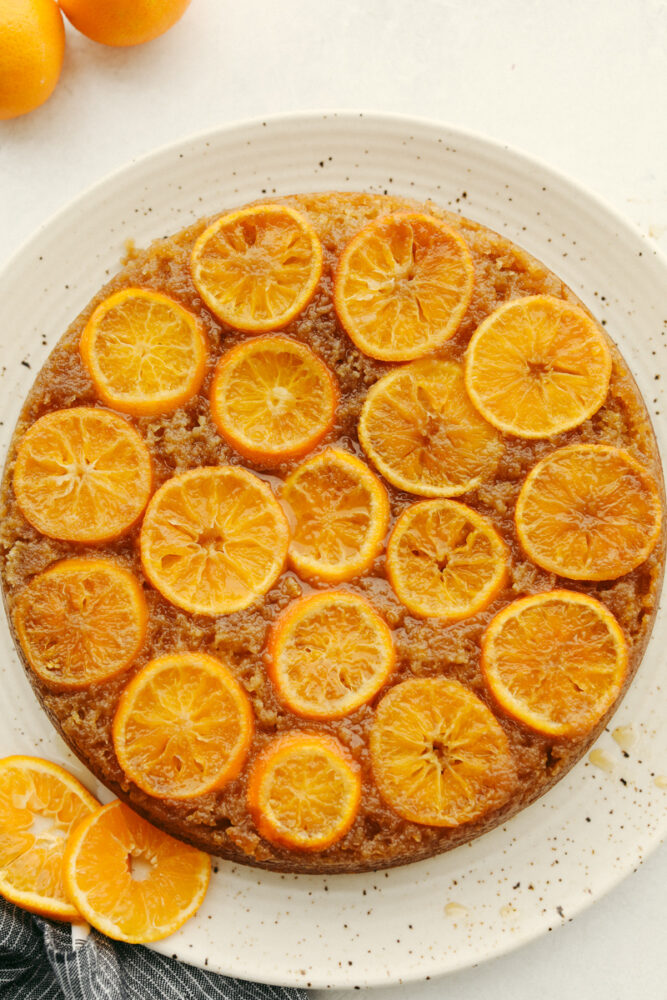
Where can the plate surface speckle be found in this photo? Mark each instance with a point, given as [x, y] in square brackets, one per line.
[598, 823]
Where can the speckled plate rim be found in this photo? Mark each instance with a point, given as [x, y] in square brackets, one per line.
[596, 825]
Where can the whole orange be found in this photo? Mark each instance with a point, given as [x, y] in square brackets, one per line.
[32, 44]
[123, 22]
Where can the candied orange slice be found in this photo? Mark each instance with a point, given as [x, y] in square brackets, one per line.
[131, 881]
[589, 512]
[145, 353]
[340, 516]
[444, 560]
[82, 475]
[328, 654]
[214, 539]
[555, 661]
[402, 286]
[183, 726]
[80, 622]
[423, 434]
[439, 756]
[258, 268]
[40, 804]
[537, 366]
[304, 791]
[272, 399]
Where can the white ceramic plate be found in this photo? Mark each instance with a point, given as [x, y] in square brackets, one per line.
[595, 826]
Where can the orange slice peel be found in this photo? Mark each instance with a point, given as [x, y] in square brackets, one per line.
[131, 881]
[257, 269]
[273, 399]
[80, 622]
[556, 662]
[340, 514]
[328, 654]
[439, 755]
[183, 726]
[304, 791]
[403, 285]
[445, 560]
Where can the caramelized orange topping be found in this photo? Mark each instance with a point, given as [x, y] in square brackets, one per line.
[589, 512]
[183, 726]
[82, 475]
[340, 514]
[304, 791]
[555, 661]
[402, 286]
[80, 622]
[256, 269]
[329, 653]
[272, 399]
[439, 755]
[420, 430]
[444, 560]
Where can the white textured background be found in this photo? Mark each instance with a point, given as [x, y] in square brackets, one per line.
[582, 85]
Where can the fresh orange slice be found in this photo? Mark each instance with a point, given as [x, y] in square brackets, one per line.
[304, 791]
[423, 434]
[258, 268]
[340, 516]
[402, 286]
[82, 475]
[40, 804]
[589, 512]
[80, 622]
[183, 726]
[328, 654]
[444, 560]
[439, 756]
[214, 539]
[555, 661]
[131, 881]
[537, 366]
[145, 353]
[273, 399]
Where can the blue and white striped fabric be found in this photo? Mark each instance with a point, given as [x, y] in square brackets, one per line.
[39, 961]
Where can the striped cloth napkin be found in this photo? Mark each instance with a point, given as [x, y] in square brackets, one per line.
[44, 960]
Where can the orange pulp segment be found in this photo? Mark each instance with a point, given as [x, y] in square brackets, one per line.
[183, 726]
[444, 560]
[304, 791]
[131, 881]
[555, 661]
[439, 756]
[272, 399]
[214, 539]
[145, 353]
[589, 512]
[402, 286]
[40, 804]
[537, 366]
[82, 475]
[420, 430]
[257, 268]
[340, 516]
[328, 654]
[80, 622]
